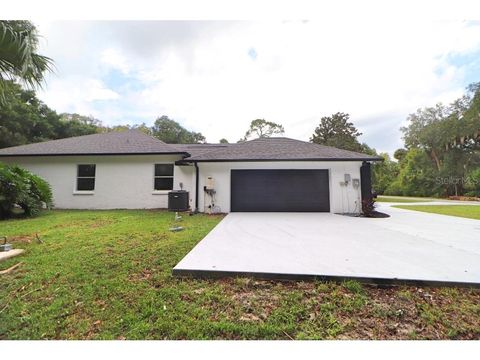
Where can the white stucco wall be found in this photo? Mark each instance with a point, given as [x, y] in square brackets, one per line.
[126, 182]
[121, 182]
[342, 199]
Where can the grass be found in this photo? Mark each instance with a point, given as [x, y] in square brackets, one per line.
[466, 211]
[402, 199]
[107, 275]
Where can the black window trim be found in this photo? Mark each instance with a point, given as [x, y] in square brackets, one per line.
[77, 190]
[163, 176]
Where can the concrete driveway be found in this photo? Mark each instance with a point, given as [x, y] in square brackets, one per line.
[408, 247]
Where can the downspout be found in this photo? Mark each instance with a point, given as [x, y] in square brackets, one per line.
[197, 176]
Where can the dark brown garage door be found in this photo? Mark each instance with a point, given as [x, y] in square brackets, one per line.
[280, 190]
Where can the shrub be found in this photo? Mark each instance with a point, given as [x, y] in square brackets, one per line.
[473, 193]
[417, 177]
[368, 207]
[384, 173]
[19, 187]
[395, 188]
[473, 183]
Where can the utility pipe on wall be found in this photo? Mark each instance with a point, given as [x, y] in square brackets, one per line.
[197, 177]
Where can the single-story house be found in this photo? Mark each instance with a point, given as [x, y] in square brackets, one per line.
[132, 170]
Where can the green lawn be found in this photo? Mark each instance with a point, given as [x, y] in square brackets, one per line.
[401, 199]
[107, 275]
[466, 211]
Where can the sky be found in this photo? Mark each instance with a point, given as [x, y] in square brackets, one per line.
[215, 77]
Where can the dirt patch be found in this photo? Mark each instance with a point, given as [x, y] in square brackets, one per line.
[26, 239]
[100, 223]
[362, 312]
[464, 198]
[93, 223]
[144, 275]
[256, 300]
[414, 313]
[69, 224]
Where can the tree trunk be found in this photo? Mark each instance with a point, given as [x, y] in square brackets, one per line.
[437, 163]
[436, 159]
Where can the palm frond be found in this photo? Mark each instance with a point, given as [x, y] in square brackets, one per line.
[18, 58]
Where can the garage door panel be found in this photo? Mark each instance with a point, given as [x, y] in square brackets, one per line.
[280, 190]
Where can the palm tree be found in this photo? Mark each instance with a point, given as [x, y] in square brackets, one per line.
[18, 58]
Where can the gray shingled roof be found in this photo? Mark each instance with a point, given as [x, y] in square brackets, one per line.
[277, 148]
[200, 149]
[136, 142]
[124, 142]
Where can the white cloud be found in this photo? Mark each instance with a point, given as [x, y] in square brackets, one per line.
[95, 90]
[114, 59]
[76, 94]
[203, 74]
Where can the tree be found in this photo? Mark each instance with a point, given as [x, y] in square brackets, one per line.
[425, 131]
[143, 128]
[118, 128]
[86, 120]
[260, 128]
[77, 125]
[450, 137]
[172, 132]
[140, 127]
[365, 149]
[25, 119]
[384, 173]
[223, 141]
[19, 60]
[400, 154]
[337, 131]
[417, 176]
[472, 183]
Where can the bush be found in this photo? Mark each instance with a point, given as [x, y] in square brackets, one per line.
[474, 193]
[417, 177]
[472, 185]
[384, 174]
[368, 207]
[395, 189]
[19, 187]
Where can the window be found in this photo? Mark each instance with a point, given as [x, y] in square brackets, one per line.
[163, 179]
[86, 177]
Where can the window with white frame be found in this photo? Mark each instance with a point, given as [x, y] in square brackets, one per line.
[163, 177]
[86, 177]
